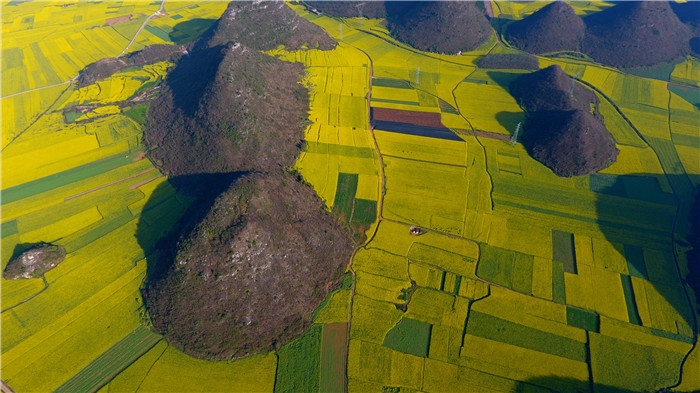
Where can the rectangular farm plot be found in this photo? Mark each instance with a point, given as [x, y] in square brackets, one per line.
[333, 357]
[403, 126]
[493, 328]
[509, 163]
[426, 119]
[462, 265]
[410, 336]
[439, 190]
[441, 151]
[508, 268]
[299, 363]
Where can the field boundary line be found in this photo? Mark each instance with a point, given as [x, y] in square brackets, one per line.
[110, 184]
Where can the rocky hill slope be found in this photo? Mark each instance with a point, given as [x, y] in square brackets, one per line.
[247, 277]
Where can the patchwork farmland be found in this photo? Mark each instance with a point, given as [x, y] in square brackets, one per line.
[479, 269]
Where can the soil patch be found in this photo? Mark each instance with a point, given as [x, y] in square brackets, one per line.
[118, 19]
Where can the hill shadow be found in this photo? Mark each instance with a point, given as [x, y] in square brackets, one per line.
[510, 120]
[561, 384]
[188, 31]
[191, 76]
[504, 79]
[638, 218]
[163, 220]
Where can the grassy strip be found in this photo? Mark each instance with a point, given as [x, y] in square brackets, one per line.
[563, 250]
[522, 273]
[106, 366]
[558, 285]
[60, 179]
[338, 150]
[386, 82]
[632, 312]
[333, 357]
[686, 140]
[395, 101]
[497, 329]
[8, 228]
[410, 336]
[95, 231]
[298, 367]
[635, 262]
[344, 196]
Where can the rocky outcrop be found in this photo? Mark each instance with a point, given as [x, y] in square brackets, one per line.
[34, 262]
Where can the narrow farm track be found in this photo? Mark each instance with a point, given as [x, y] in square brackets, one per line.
[42, 87]
[5, 387]
[46, 286]
[115, 182]
[50, 107]
[162, 3]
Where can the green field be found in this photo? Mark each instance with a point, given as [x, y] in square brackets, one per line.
[409, 336]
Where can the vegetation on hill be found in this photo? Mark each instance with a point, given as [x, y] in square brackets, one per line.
[106, 67]
[555, 27]
[563, 130]
[629, 34]
[439, 26]
[249, 269]
[265, 26]
[248, 277]
[633, 34]
[35, 261]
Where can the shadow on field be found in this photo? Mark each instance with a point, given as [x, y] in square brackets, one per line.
[640, 227]
[163, 219]
[504, 79]
[560, 384]
[510, 120]
[187, 31]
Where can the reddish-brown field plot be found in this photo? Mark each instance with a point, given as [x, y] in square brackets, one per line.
[426, 119]
[333, 357]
